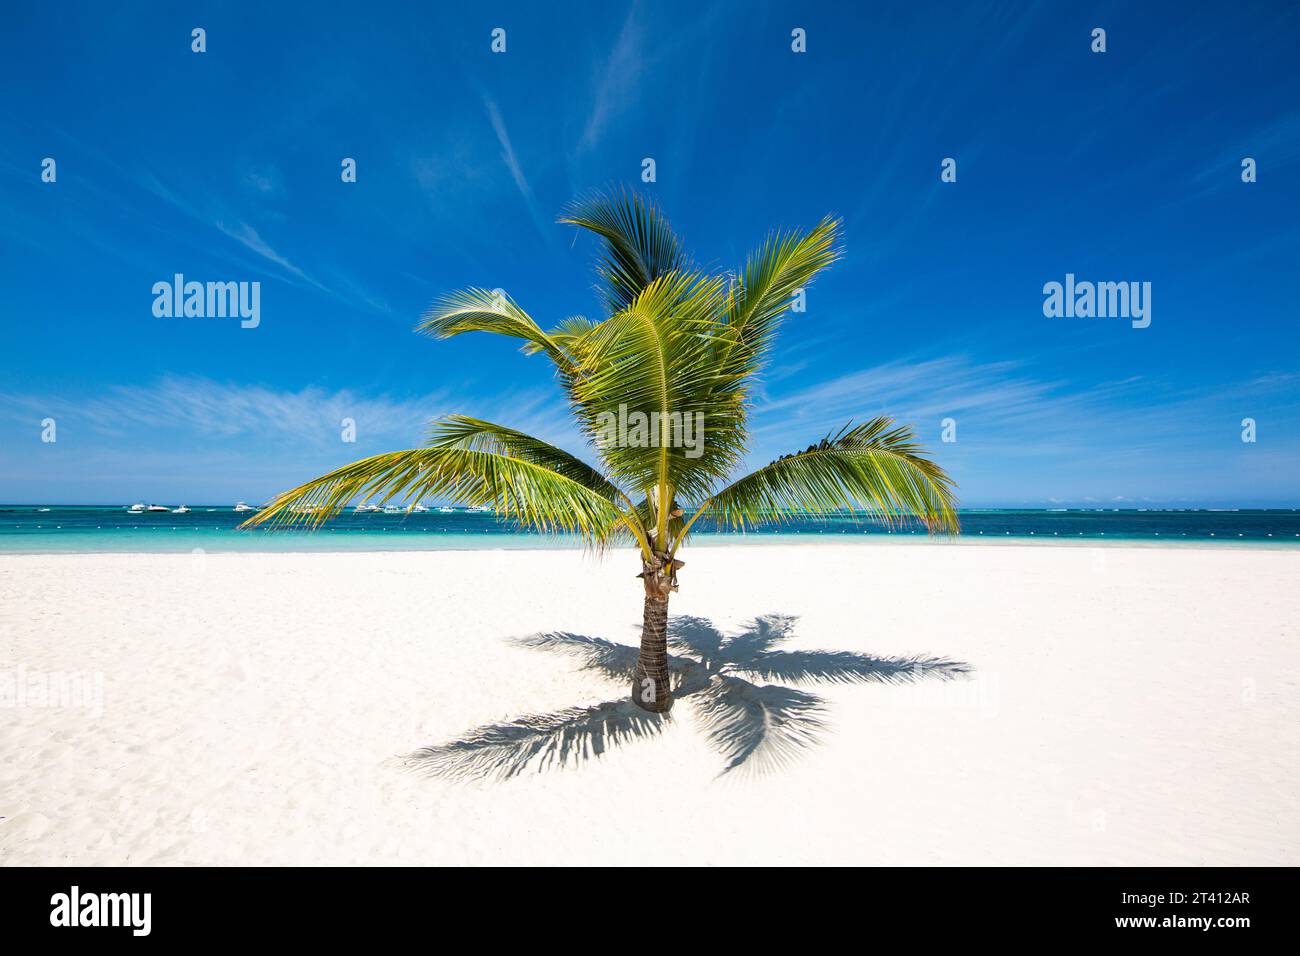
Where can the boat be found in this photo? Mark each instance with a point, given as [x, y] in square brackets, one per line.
[242, 506]
[366, 508]
[392, 510]
[157, 508]
[447, 511]
[419, 509]
[182, 510]
[136, 509]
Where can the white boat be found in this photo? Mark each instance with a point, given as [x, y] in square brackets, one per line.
[182, 510]
[135, 509]
[157, 508]
[242, 506]
[447, 511]
[392, 510]
[366, 508]
[419, 509]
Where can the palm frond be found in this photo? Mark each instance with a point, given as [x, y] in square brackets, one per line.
[526, 491]
[482, 310]
[639, 244]
[876, 467]
[461, 431]
[652, 360]
[787, 261]
[566, 333]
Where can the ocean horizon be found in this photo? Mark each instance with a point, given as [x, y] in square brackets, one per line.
[27, 528]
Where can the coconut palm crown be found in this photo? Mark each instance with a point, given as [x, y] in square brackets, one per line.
[677, 345]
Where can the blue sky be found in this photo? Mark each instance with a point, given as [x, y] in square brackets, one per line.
[225, 166]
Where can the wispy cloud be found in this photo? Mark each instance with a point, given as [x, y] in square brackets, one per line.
[917, 389]
[1021, 438]
[247, 236]
[1006, 400]
[616, 80]
[1275, 146]
[1131, 434]
[508, 151]
[516, 171]
[266, 181]
[215, 213]
[187, 436]
[202, 410]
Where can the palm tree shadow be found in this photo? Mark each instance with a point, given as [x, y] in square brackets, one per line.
[754, 727]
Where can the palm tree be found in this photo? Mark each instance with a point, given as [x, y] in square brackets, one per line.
[679, 350]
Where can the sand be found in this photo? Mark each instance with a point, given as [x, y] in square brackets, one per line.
[1123, 705]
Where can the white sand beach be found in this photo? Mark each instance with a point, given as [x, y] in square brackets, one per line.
[1124, 705]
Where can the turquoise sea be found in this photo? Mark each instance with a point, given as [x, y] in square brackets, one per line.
[74, 528]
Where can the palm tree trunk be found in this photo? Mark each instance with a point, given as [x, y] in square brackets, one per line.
[651, 689]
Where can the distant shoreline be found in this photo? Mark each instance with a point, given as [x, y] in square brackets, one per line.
[991, 509]
[89, 530]
[527, 544]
